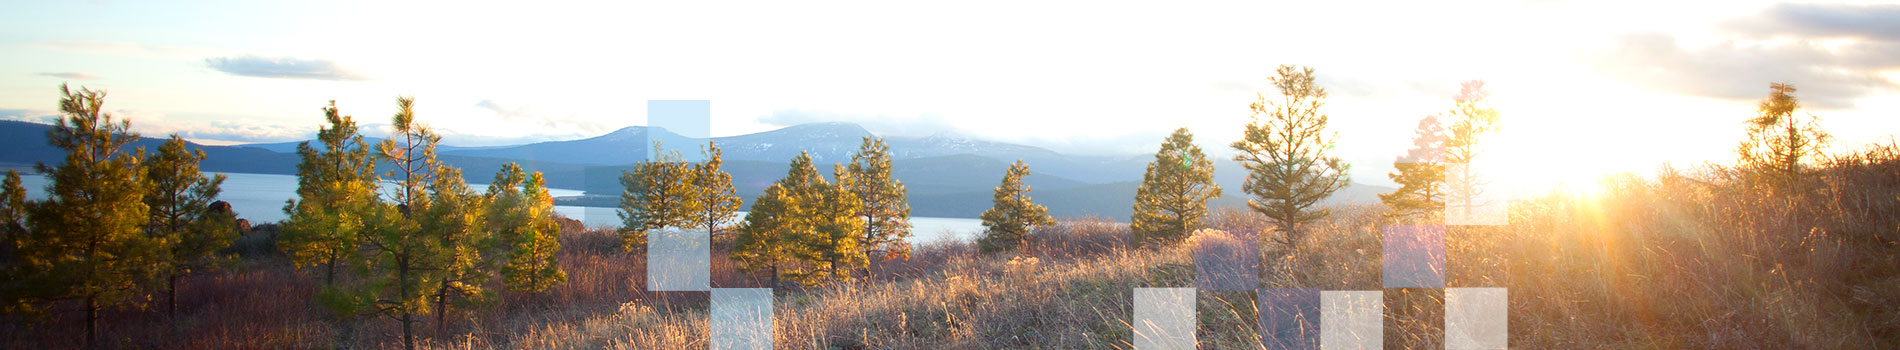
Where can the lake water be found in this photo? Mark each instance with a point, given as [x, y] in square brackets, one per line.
[260, 198]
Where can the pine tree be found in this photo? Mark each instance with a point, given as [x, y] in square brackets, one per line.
[14, 296]
[1172, 200]
[462, 264]
[181, 215]
[1420, 174]
[716, 198]
[659, 195]
[426, 248]
[886, 207]
[778, 232]
[336, 190]
[1008, 224]
[12, 226]
[1471, 117]
[87, 240]
[524, 219]
[1779, 142]
[835, 225]
[1285, 153]
[765, 239]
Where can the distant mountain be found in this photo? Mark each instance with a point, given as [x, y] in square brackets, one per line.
[947, 175]
[291, 147]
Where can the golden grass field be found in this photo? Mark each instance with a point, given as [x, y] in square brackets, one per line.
[1691, 259]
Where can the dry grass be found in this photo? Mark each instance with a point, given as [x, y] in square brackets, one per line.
[1677, 260]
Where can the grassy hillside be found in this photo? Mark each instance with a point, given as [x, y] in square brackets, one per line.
[1677, 260]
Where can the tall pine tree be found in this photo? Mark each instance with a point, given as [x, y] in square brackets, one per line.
[336, 191]
[801, 228]
[1008, 223]
[180, 198]
[1285, 150]
[1172, 200]
[1471, 117]
[716, 199]
[885, 211]
[658, 195]
[87, 240]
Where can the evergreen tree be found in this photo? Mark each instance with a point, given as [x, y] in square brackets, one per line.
[802, 228]
[1008, 223]
[886, 207]
[778, 233]
[524, 219]
[1779, 142]
[12, 226]
[1172, 200]
[1285, 153]
[836, 228]
[426, 247]
[462, 264]
[716, 198]
[766, 240]
[1420, 174]
[1471, 117]
[87, 240]
[181, 214]
[659, 195]
[336, 188]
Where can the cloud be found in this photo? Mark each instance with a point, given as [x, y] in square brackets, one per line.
[547, 121]
[883, 125]
[70, 75]
[1835, 54]
[282, 67]
[30, 116]
[1867, 22]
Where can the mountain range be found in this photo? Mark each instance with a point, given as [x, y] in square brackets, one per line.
[948, 175]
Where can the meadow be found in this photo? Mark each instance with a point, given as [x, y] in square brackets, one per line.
[1677, 259]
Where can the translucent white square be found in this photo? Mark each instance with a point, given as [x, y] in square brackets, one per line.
[1475, 318]
[1474, 195]
[1164, 318]
[679, 260]
[1352, 319]
[741, 318]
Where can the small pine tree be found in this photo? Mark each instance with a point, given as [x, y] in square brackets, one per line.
[1420, 174]
[659, 195]
[1009, 223]
[336, 190]
[1285, 153]
[716, 198]
[1779, 143]
[456, 222]
[181, 215]
[886, 208]
[524, 219]
[1172, 200]
[87, 240]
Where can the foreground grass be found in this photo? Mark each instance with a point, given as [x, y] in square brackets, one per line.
[1674, 261]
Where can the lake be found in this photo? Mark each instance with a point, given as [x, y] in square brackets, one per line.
[260, 198]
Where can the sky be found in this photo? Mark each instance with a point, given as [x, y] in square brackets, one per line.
[1583, 87]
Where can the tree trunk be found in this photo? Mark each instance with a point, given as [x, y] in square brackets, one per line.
[402, 278]
[329, 269]
[441, 310]
[171, 296]
[92, 321]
